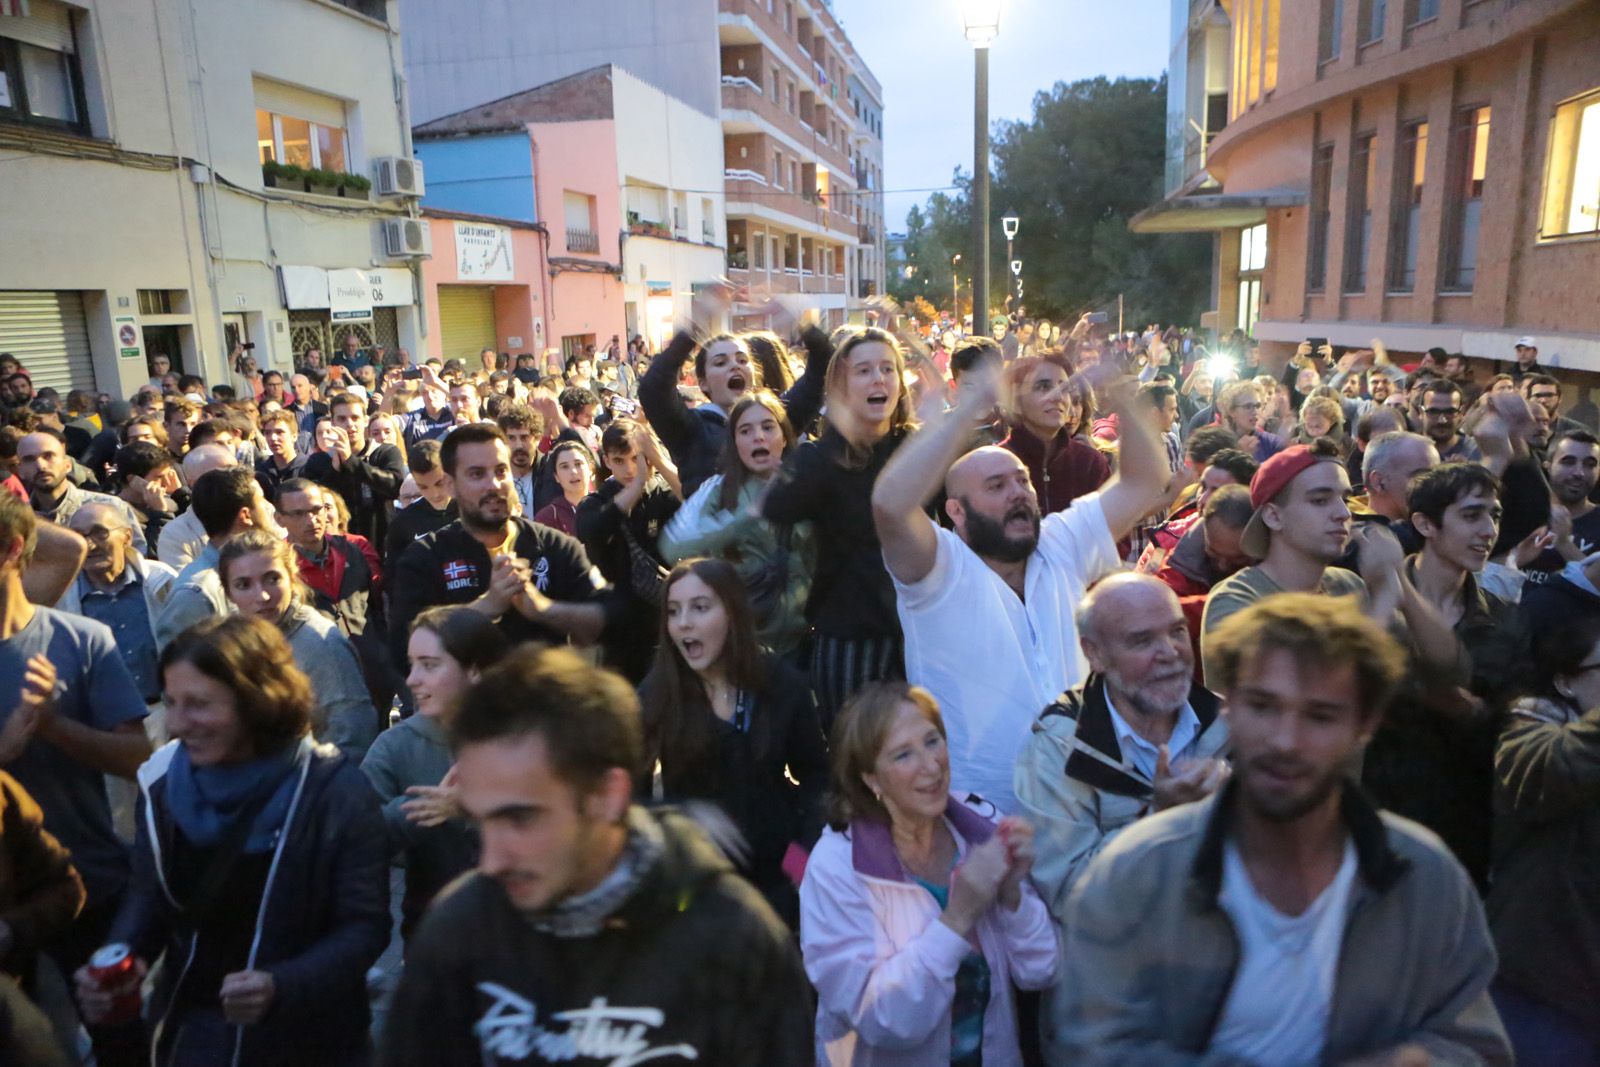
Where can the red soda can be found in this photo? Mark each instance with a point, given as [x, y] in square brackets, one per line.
[113, 970]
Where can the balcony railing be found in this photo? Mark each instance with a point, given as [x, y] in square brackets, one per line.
[739, 81]
[583, 241]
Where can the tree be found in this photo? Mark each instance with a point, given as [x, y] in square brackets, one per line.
[1089, 159]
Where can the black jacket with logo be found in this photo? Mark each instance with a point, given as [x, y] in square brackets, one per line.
[450, 566]
[693, 968]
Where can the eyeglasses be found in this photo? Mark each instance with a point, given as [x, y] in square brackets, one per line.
[306, 513]
[100, 534]
[1248, 405]
[1586, 668]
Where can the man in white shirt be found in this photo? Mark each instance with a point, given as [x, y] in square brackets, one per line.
[1283, 921]
[1139, 736]
[987, 610]
[184, 538]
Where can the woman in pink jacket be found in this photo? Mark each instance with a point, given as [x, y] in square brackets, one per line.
[916, 914]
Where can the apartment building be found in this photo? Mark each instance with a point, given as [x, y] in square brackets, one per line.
[866, 159]
[778, 75]
[181, 177]
[1425, 171]
[624, 183]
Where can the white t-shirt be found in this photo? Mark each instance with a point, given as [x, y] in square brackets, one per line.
[1277, 1010]
[992, 661]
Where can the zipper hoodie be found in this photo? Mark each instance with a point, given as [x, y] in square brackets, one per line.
[323, 918]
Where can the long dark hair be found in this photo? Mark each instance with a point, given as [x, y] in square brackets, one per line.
[733, 470]
[469, 637]
[676, 708]
[772, 355]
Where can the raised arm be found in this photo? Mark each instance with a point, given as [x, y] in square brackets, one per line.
[56, 562]
[915, 473]
[803, 401]
[658, 394]
[1142, 474]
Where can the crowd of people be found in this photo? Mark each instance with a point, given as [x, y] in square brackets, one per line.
[888, 696]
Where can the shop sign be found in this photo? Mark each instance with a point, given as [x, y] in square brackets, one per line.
[483, 253]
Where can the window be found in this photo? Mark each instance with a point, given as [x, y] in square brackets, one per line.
[1469, 165]
[758, 252]
[1252, 262]
[40, 80]
[1572, 172]
[1407, 237]
[777, 95]
[1421, 11]
[301, 128]
[777, 169]
[1358, 236]
[1321, 185]
[578, 211]
[1255, 52]
[1328, 43]
[708, 220]
[1373, 15]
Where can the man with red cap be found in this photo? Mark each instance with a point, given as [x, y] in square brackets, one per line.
[1299, 530]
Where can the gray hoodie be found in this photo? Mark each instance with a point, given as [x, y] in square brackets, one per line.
[342, 712]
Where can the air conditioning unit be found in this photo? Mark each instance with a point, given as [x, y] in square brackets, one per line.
[407, 237]
[399, 176]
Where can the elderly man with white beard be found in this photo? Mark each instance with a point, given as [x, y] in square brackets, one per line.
[1141, 735]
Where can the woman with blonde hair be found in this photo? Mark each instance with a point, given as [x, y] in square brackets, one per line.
[916, 914]
[261, 579]
[828, 483]
[1322, 417]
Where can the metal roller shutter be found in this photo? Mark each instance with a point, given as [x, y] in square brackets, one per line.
[46, 332]
[466, 321]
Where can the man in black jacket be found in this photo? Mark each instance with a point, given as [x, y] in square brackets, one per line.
[434, 509]
[365, 474]
[594, 931]
[534, 581]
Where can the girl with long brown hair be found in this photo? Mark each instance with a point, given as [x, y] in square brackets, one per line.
[828, 482]
[730, 723]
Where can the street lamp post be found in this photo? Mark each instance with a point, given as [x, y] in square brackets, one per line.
[955, 289]
[1011, 224]
[981, 21]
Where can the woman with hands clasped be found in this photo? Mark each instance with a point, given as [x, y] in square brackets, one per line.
[259, 869]
[411, 766]
[916, 914]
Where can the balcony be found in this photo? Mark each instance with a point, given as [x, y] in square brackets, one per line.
[642, 227]
[583, 241]
[866, 288]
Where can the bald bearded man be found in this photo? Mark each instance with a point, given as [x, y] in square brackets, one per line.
[987, 609]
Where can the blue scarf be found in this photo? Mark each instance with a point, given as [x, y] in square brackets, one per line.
[205, 801]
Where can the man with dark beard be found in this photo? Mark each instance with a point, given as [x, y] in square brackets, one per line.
[1139, 736]
[1573, 466]
[1284, 920]
[534, 581]
[987, 609]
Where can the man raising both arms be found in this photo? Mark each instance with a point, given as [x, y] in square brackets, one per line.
[987, 609]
